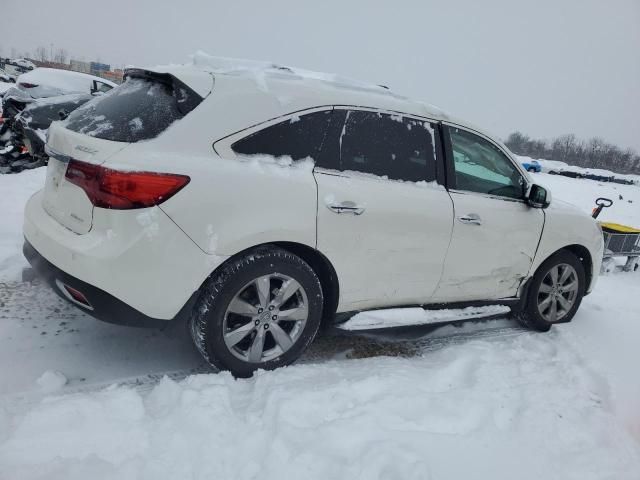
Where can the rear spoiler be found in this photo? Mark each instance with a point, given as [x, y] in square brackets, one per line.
[187, 98]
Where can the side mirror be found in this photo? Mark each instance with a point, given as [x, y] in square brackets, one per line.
[538, 197]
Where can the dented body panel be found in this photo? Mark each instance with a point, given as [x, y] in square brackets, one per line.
[488, 260]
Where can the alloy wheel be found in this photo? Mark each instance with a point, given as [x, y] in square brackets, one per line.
[558, 292]
[265, 318]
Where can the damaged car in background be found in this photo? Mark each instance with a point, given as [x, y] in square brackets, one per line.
[38, 98]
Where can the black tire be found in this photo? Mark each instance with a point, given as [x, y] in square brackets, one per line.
[207, 319]
[530, 315]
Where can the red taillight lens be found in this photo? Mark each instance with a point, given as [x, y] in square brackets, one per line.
[27, 85]
[116, 189]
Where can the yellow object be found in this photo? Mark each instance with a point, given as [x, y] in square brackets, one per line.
[616, 227]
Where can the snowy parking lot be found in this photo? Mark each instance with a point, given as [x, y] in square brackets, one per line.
[488, 400]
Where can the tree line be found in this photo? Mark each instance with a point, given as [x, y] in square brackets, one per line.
[592, 153]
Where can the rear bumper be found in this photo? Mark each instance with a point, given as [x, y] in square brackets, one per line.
[102, 305]
[137, 259]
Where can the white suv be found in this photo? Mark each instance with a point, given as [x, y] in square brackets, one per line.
[257, 203]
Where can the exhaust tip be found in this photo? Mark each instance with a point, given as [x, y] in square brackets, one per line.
[74, 295]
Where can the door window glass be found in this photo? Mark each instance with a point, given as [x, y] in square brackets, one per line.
[392, 146]
[481, 167]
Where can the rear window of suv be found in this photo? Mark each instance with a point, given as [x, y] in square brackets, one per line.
[139, 109]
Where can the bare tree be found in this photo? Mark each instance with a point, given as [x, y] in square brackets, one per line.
[41, 54]
[594, 153]
[61, 56]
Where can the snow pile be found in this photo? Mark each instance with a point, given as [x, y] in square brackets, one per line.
[258, 69]
[399, 317]
[51, 381]
[470, 411]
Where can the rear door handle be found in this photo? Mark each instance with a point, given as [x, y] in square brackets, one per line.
[346, 207]
[471, 219]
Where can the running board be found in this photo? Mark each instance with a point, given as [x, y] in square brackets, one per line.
[409, 317]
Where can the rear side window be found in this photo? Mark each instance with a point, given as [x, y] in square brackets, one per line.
[397, 147]
[299, 137]
[139, 109]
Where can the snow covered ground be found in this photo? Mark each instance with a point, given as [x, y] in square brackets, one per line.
[488, 401]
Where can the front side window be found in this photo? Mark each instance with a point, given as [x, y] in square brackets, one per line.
[298, 137]
[392, 146]
[481, 167]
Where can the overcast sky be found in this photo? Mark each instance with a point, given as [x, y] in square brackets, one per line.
[544, 67]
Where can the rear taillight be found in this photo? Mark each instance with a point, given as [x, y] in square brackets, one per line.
[120, 190]
[27, 85]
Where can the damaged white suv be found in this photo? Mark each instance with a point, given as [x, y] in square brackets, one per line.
[256, 203]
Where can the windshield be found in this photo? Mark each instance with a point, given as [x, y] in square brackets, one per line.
[139, 109]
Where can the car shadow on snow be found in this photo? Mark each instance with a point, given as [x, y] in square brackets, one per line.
[41, 332]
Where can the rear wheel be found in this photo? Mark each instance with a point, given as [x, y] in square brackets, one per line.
[260, 311]
[555, 292]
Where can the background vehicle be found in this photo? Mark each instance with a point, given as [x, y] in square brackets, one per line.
[29, 128]
[174, 199]
[50, 82]
[45, 93]
[532, 166]
[22, 63]
[6, 76]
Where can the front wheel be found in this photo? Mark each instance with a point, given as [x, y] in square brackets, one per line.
[260, 311]
[555, 292]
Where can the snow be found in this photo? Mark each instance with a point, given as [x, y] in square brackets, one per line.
[525, 405]
[50, 381]
[476, 410]
[52, 81]
[260, 69]
[583, 193]
[136, 124]
[4, 86]
[397, 317]
[16, 190]
[555, 165]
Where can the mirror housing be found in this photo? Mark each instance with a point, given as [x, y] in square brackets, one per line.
[538, 196]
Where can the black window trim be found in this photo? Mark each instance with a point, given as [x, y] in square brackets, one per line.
[450, 167]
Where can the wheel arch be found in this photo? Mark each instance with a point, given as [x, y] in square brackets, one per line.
[319, 263]
[324, 270]
[583, 254]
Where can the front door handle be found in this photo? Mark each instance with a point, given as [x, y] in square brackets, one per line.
[346, 207]
[471, 219]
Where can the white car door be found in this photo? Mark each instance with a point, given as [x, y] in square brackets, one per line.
[495, 233]
[383, 221]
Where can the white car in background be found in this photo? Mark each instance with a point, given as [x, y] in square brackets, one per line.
[23, 63]
[52, 82]
[257, 204]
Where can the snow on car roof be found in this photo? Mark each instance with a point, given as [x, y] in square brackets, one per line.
[267, 75]
[63, 80]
